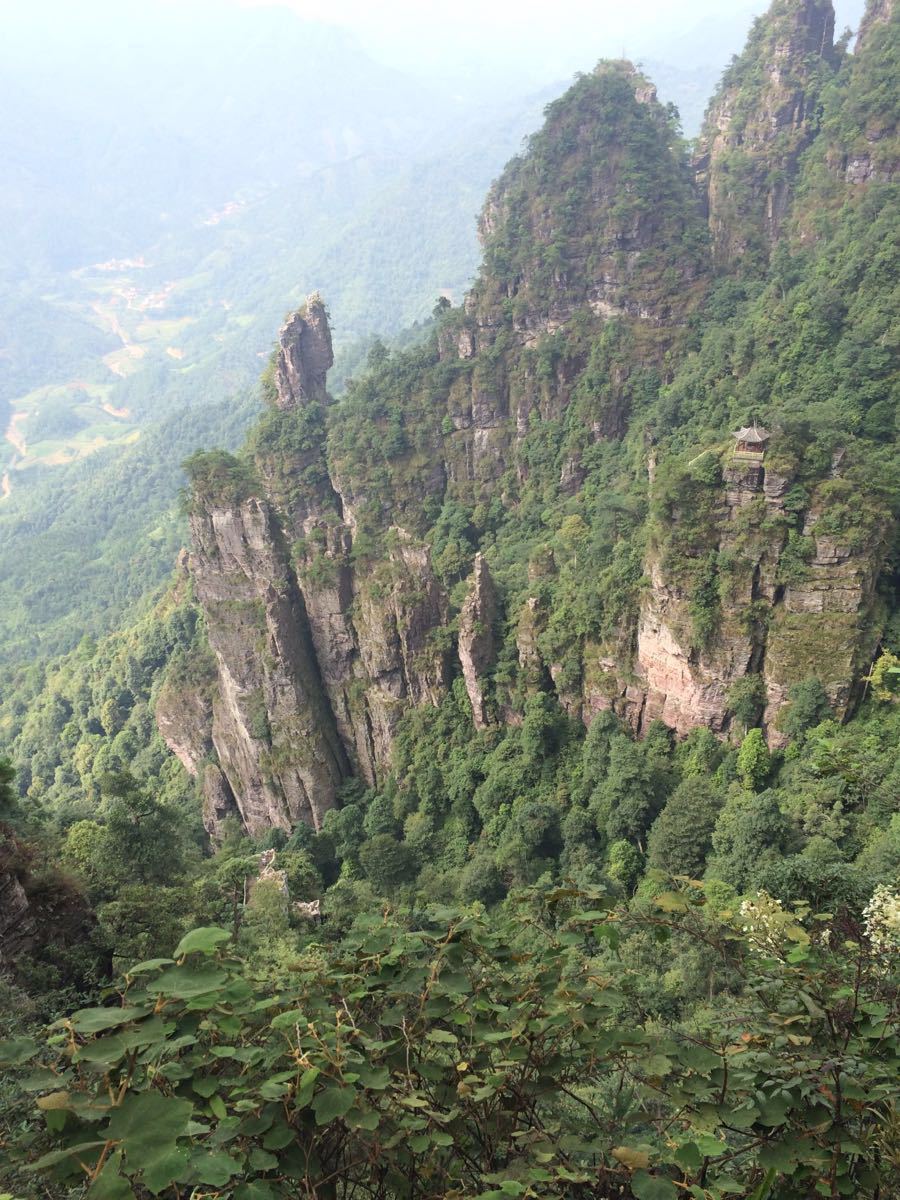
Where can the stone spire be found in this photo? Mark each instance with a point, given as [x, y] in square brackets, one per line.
[304, 356]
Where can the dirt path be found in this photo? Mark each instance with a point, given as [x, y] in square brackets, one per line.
[122, 413]
[13, 434]
[115, 325]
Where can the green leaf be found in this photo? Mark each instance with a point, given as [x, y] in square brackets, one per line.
[148, 1126]
[168, 1168]
[202, 941]
[307, 1086]
[375, 1078]
[213, 1167]
[688, 1156]
[257, 1190]
[442, 1036]
[657, 1065]
[699, 1058]
[217, 1107]
[109, 1050]
[652, 1187]
[260, 1160]
[152, 964]
[777, 1156]
[811, 1006]
[276, 1139]
[672, 902]
[55, 1157]
[358, 1118]
[188, 981]
[16, 1051]
[205, 1086]
[109, 1184]
[94, 1020]
[710, 1146]
[332, 1103]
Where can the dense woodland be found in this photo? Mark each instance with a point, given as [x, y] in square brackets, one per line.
[555, 959]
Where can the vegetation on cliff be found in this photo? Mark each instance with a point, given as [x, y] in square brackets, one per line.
[669, 845]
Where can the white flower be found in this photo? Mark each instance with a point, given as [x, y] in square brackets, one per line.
[765, 922]
[882, 920]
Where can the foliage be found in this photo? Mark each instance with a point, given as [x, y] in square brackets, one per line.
[637, 1000]
[396, 1063]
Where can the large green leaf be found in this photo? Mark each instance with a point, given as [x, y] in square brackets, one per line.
[254, 1191]
[110, 1184]
[95, 1020]
[55, 1157]
[213, 1167]
[148, 1126]
[190, 980]
[652, 1187]
[169, 1168]
[16, 1051]
[332, 1103]
[202, 941]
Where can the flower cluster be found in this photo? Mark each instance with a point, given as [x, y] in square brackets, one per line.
[882, 920]
[764, 922]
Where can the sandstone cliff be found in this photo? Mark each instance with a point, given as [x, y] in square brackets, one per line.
[272, 727]
[765, 114]
[793, 603]
[543, 496]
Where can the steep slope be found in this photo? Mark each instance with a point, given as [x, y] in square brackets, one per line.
[546, 497]
[763, 116]
[452, 422]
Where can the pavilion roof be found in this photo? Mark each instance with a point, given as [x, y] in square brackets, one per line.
[751, 433]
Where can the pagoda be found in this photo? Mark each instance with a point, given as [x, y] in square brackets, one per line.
[751, 441]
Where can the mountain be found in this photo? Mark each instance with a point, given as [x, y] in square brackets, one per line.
[569, 429]
[170, 183]
[511, 761]
[138, 340]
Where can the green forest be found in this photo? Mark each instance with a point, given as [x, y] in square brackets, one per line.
[604, 898]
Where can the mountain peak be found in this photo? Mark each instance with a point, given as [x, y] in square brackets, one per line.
[304, 356]
[758, 124]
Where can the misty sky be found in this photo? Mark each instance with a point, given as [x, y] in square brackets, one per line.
[545, 39]
[529, 43]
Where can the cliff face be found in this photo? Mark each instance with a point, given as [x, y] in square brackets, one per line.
[18, 926]
[306, 357]
[543, 496]
[765, 114]
[477, 639]
[272, 727]
[782, 617]
[864, 145]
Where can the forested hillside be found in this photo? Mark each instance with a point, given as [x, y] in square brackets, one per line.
[504, 798]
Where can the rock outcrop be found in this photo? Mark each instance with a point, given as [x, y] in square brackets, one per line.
[357, 558]
[779, 619]
[184, 719]
[477, 640]
[18, 926]
[43, 917]
[765, 114]
[305, 356]
[871, 153]
[272, 728]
